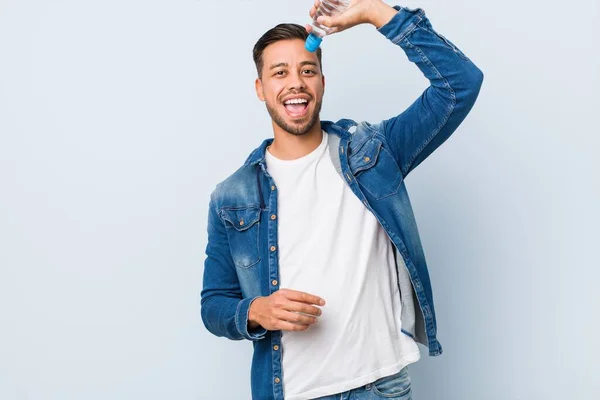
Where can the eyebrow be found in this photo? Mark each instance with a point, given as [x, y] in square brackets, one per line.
[284, 64]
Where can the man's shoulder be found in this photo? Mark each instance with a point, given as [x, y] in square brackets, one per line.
[239, 183]
[234, 185]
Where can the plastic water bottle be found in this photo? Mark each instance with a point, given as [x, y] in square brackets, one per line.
[329, 8]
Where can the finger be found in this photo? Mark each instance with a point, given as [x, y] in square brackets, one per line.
[296, 318]
[304, 297]
[329, 22]
[288, 326]
[304, 308]
[342, 21]
[314, 8]
[333, 24]
[308, 28]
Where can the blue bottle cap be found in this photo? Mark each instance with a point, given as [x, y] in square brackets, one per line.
[312, 42]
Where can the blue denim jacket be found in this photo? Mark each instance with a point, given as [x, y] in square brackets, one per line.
[373, 159]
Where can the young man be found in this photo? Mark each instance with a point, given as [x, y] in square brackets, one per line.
[313, 251]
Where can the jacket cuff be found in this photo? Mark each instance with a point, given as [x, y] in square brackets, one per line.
[241, 321]
[401, 24]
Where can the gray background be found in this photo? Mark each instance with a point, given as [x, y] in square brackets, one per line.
[117, 118]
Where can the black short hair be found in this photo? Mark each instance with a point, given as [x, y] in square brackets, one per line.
[280, 32]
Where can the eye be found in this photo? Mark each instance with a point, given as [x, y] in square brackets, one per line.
[310, 71]
[279, 73]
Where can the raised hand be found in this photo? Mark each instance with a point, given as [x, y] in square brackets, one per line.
[374, 12]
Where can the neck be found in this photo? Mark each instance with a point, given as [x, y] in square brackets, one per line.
[287, 146]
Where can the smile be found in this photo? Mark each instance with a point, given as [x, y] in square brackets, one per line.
[297, 107]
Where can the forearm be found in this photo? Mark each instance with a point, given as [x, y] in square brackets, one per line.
[228, 317]
[454, 86]
[381, 14]
[443, 64]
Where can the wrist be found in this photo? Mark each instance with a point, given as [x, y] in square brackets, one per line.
[381, 14]
[253, 325]
[252, 315]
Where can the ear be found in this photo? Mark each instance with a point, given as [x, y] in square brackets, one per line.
[258, 86]
[323, 81]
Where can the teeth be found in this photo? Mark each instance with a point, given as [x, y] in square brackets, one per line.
[296, 101]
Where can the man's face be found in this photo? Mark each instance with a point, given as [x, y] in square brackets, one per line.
[291, 85]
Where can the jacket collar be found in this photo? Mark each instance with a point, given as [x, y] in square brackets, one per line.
[339, 128]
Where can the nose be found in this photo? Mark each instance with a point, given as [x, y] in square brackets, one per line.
[296, 82]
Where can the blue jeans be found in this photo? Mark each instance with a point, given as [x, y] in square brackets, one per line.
[395, 386]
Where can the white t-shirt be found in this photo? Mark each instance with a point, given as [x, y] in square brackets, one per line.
[332, 246]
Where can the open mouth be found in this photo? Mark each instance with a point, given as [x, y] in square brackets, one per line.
[296, 108]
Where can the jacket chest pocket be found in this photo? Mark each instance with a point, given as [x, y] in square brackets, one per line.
[242, 231]
[375, 169]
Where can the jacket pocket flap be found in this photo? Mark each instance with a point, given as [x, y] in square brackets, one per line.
[241, 218]
[366, 157]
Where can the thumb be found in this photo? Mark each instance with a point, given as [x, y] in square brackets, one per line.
[349, 18]
[331, 22]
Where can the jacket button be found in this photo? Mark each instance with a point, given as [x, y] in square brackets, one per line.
[274, 282]
[367, 159]
[272, 187]
[277, 380]
[275, 347]
[241, 222]
[273, 248]
[273, 216]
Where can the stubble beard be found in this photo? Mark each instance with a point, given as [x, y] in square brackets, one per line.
[296, 129]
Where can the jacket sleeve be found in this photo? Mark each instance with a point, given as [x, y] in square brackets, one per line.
[454, 86]
[223, 309]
